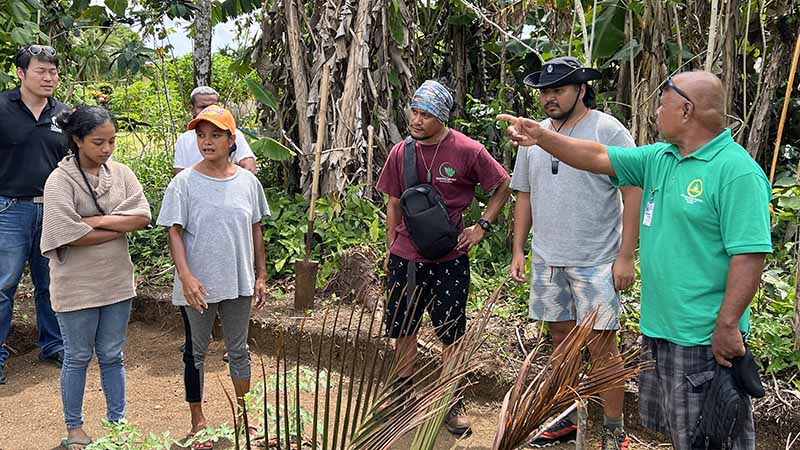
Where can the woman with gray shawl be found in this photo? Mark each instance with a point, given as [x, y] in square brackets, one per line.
[90, 203]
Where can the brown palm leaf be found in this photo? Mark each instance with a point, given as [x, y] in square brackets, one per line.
[535, 397]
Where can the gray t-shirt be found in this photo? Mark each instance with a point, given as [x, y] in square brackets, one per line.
[576, 215]
[217, 216]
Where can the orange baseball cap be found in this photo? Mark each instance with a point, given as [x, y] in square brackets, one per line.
[217, 115]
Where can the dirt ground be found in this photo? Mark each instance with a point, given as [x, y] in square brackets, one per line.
[30, 404]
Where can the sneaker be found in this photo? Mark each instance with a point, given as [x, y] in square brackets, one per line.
[3, 374]
[615, 439]
[56, 358]
[563, 432]
[457, 421]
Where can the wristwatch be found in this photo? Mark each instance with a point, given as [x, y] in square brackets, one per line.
[485, 224]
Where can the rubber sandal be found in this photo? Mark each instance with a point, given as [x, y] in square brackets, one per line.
[206, 445]
[66, 443]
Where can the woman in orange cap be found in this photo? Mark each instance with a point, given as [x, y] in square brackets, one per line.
[214, 212]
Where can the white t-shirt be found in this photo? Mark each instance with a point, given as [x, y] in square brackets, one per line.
[187, 154]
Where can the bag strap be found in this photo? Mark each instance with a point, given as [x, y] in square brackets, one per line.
[411, 179]
[410, 161]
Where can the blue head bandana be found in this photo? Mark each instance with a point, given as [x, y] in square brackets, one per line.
[434, 99]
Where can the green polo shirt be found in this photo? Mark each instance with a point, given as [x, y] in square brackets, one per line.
[706, 207]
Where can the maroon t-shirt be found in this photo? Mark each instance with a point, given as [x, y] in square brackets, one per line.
[461, 164]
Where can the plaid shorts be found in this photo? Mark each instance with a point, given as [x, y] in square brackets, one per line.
[671, 393]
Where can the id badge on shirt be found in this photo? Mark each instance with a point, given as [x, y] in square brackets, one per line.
[647, 220]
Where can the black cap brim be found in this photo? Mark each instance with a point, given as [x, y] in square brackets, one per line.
[577, 76]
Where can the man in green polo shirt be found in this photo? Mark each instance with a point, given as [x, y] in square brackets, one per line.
[705, 230]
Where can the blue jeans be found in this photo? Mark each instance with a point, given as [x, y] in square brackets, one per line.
[98, 330]
[20, 231]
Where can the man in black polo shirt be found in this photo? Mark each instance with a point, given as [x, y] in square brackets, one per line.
[31, 145]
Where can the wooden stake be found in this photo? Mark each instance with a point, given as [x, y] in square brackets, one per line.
[583, 426]
[370, 143]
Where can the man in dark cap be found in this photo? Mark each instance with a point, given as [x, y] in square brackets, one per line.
[705, 231]
[453, 164]
[583, 242]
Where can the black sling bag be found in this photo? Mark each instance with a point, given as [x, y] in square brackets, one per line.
[424, 212]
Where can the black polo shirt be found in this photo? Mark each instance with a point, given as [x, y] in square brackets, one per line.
[29, 149]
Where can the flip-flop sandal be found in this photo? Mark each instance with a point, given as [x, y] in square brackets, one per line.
[207, 445]
[66, 443]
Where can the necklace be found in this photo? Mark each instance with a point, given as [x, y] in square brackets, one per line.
[433, 160]
[554, 161]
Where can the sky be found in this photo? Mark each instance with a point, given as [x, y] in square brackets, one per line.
[223, 35]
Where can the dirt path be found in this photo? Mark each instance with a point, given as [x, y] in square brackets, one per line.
[30, 405]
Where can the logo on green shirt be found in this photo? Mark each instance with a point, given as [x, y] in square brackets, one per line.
[695, 188]
[693, 191]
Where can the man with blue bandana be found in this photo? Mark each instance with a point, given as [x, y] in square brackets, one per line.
[453, 164]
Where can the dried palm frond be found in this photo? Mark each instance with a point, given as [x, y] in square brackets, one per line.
[460, 362]
[355, 404]
[536, 397]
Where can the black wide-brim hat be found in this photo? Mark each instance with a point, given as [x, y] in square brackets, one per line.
[561, 72]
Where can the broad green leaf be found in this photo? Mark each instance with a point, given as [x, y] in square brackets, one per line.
[118, 7]
[609, 29]
[394, 79]
[262, 95]
[268, 148]
[94, 14]
[789, 202]
[786, 180]
[67, 21]
[79, 5]
[19, 11]
[396, 24]
[624, 54]
[21, 36]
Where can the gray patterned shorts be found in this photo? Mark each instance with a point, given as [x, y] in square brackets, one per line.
[560, 294]
[671, 394]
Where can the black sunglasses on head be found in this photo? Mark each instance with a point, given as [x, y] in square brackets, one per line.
[677, 90]
[38, 49]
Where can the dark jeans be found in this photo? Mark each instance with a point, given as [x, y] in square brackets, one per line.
[20, 231]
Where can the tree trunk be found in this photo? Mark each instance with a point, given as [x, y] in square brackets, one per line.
[459, 64]
[349, 133]
[730, 73]
[652, 71]
[300, 84]
[202, 43]
[775, 72]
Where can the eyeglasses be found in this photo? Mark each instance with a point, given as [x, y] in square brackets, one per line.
[677, 90]
[38, 49]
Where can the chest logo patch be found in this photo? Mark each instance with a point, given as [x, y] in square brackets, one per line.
[447, 173]
[693, 192]
[695, 188]
[54, 126]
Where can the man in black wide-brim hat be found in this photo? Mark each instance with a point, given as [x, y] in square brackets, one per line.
[583, 242]
[705, 232]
